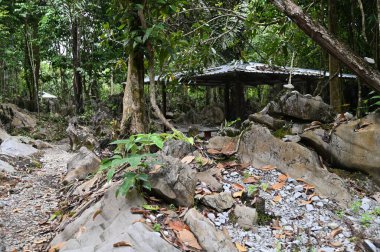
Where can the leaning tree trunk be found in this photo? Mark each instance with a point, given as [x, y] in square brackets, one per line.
[335, 85]
[330, 43]
[132, 121]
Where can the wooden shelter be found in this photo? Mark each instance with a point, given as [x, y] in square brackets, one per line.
[235, 77]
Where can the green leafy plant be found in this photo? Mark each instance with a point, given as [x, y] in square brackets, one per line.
[355, 207]
[376, 211]
[340, 213]
[366, 219]
[132, 153]
[264, 186]
[251, 189]
[157, 227]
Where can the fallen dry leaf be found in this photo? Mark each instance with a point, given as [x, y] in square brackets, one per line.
[177, 225]
[277, 198]
[278, 186]
[240, 247]
[250, 180]
[188, 238]
[282, 178]
[136, 210]
[276, 224]
[268, 167]
[305, 202]
[335, 232]
[96, 214]
[187, 159]
[142, 220]
[155, 169]
[238, 186]
[244, 166]
[336, 244]
[301, 180]
[311, 196]
[238, 194]
[57, 247]
[229, 149]
[213, 152]
[122, 244]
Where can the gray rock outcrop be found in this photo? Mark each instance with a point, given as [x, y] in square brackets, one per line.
[114, 223]
[354, 145]
[211, 239]
[13, 147]
[174, 181]
[303, 107]
[177, 148]
[219, 201]
[12, 116]
[81, 165]
[246, 216]
[258, 147]
[80, 136]
[267, 120]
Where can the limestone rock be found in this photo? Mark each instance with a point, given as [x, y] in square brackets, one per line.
[5, 167]
[354, 145]
[115, 223]
[208, 178]
[303, 107]
[174, 181]
[15, 148]
[211, 239]
[246, 216]
[259, 147]
[219, 142]
[267, 120]
[177, 148]
[229, 132]
[3, 135]
[219, 201]
[12, 116]
[80, 136]
[81, 165]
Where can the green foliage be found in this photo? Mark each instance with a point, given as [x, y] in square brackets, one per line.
[157, 227]
[355, 207]
[132, 152]
[366, 219]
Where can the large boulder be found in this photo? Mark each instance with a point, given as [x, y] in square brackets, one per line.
[3, 135]
[81, 165]
[173, 180]
[177, 148]
[267, 120]
[259, 147]
[304, 107]
[211, 239]
[354, 145]
[114, 223]
[12, 146]
[80, 136]
[12, 116]
[219, 201]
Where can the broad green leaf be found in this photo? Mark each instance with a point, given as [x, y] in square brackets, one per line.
[151, 207]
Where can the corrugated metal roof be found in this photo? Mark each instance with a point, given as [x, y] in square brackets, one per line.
[260, 68]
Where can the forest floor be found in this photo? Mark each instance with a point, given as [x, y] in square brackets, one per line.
[28, 205]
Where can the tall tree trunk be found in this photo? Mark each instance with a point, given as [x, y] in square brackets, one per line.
[336, 89]
[133, 121]
[77, 81]
[327, 41]
[378, 34]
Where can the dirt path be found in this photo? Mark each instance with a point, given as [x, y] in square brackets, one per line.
[27, 207]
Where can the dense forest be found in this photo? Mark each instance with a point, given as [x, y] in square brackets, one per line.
[241, 125]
